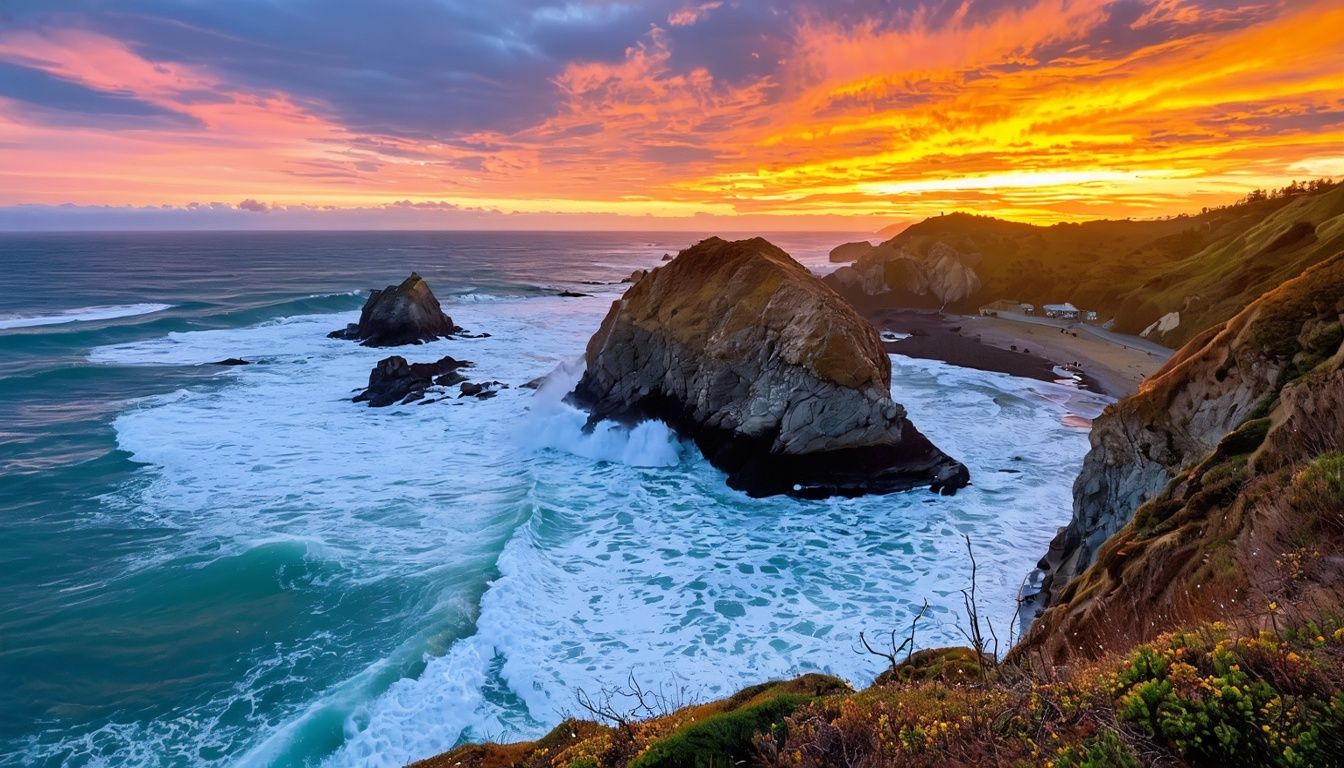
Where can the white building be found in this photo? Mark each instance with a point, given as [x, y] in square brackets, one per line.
[1065, 311]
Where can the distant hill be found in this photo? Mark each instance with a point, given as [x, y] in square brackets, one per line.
[1204, 268]
[892, 230]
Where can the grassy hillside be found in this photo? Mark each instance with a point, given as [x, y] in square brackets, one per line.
[1192, 698]
[1206, 267]
[1259, 520]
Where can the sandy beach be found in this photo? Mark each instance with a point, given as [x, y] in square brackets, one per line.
[1031, 347]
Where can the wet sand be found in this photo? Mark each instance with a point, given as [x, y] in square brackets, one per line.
[1031, 348]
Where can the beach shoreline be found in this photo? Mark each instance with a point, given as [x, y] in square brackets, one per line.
[1035, 348]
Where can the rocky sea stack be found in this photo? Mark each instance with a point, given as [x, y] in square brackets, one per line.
[778, 380]
[399, 314]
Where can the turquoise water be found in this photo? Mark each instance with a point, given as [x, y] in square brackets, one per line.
[219, 566]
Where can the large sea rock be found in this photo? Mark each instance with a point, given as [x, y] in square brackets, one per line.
[399, 314]
[778, 380]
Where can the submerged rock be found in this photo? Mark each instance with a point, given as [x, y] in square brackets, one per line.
[483, 390]
[779, 381]
[231, 361]
[399, 314]
[394, 380]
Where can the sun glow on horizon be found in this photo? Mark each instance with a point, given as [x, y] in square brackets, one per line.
[1042, 111]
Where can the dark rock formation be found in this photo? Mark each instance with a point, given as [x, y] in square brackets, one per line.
[572, 295]
[483, 390]
[843, 254]
[394, 380]
[779, 381]
[1254, 396]
[935, 279]
[399, 314]
[231, 361]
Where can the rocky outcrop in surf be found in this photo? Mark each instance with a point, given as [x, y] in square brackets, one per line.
[399, 314]
[1187, 492]
[779, 381]
[481, 390]
[394, 380]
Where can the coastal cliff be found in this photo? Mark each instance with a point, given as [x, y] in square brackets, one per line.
[779, 381]
[1200, 488]
[908, 277]
[1169, 278]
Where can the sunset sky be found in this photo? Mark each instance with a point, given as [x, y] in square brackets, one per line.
[598, 114]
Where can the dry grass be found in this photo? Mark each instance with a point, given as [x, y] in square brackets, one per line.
[1204, 696]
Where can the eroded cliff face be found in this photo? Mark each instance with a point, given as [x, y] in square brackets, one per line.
[935, 279]
[1176, 418]
[1188, 491]
[780, 382]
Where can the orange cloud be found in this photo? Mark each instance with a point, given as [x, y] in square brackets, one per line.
[1046, 111]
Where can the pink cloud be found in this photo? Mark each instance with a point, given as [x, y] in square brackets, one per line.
[692, 14]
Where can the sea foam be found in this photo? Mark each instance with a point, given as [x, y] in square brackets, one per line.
[80, 315]
[554, 424]
[534, 559]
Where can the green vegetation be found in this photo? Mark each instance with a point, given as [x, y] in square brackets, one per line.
[1259, 701]
[723, 739]
[1105, 750]
[1198, 697]
[1206, 267]
[948, 665]
[1318, 491]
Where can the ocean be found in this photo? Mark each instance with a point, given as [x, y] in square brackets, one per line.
[202, 565]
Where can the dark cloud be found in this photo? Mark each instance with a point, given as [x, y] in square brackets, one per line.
[435, 69]
[1271, 119]
[678, 154]
[65, 102]
[1127, 27]
[737, 42]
